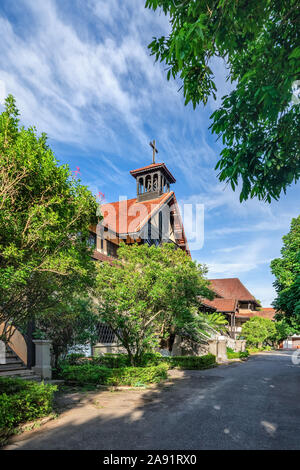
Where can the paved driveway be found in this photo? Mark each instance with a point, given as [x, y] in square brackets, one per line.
[251, 405]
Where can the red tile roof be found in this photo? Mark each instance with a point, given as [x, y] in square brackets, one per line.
[221, 305]
[249, 314]
[264, 313]
[130, 216]
[267, 313]
[231, 288]
[153, 166]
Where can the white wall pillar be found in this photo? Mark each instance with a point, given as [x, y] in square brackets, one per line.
[222, 350]
[43, 358]
[2, 353]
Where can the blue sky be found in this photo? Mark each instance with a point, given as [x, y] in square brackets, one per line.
[80, 71]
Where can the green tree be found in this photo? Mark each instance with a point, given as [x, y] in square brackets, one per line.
[259, 120]
[287, 284]
[70, 324]
[150, 293]
[258, 330]
[284, 329]
[45, 216]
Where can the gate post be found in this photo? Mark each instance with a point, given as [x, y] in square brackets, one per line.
[43, 358]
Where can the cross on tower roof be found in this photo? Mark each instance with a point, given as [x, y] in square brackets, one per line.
[153, 145]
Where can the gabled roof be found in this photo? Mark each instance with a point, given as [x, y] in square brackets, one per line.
[129, 216]
[231, 288]
[153, 166]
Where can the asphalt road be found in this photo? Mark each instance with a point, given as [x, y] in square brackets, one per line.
[251, 405]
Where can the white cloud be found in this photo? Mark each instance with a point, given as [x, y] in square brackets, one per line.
[265, 293]
[81, 71]
[80, 89]
[245, 258]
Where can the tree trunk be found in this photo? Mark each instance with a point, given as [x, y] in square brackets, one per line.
[171, 338]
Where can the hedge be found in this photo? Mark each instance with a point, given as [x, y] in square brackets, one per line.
[191, 362]
[97, 374]
[237, 355]
[254, 350]
[138, 375]
[22, 401]
[113, 361]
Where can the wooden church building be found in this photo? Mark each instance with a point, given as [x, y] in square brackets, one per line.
[151, 217]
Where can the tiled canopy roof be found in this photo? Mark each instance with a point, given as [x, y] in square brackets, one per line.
[231, 288]
[264, 313]
[153, 166]
[221, 305]
[267, 313]
[130, 216]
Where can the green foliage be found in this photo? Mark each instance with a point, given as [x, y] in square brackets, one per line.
[22, 401]
[73, 359]
[258, 330]
[201, 326]
[256, 350]
[191, 362]
[45, 216]
[138, 375]
[285, 328]
[148, 293]
[75, 324]
[84, 373]
[258, 121]
[116, 361]
[115, 369]
[287, 284]
[237, 355]
[111, 361]
[99, 374]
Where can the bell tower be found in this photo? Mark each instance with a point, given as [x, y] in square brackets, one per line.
[153, 180]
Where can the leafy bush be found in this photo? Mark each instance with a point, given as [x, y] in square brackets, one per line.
[84, 373]
[98, 374]
[152, 359]
[255, 350]
[112, 361]
[237, 355]
[22, 401]
[181, 362]
[258, 330]
[109, 360]
[73, 358]
[191, 362]
[138, 375]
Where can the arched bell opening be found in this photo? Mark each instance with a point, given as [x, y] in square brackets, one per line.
[148, 184]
